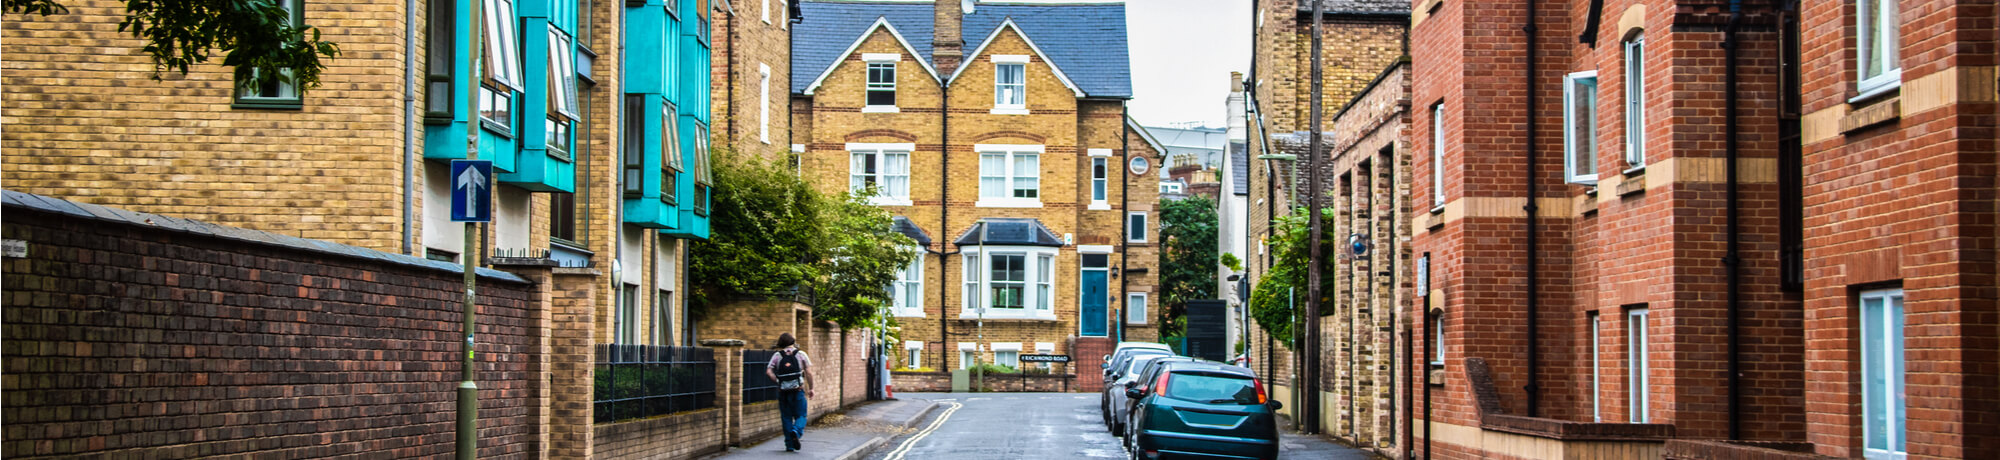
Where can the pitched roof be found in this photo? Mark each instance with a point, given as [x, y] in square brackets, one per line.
[1358, 6]
[1009, 232]
[1086, 40]
[880, 23]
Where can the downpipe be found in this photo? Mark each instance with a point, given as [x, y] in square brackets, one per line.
[1733, 261]
[1534, 240]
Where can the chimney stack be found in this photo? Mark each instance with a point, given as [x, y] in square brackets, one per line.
[948, 43]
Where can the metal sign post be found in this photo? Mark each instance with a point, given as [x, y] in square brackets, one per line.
[470, 203]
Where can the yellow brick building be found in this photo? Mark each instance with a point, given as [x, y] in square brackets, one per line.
[997, 134]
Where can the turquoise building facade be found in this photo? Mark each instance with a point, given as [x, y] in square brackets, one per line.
[666, 106]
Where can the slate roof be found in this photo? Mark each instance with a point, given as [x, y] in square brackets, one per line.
[1358, 6]
[14, 200]
[1086, 40]
[1010, 232]
[1239, 168]
[904, 226]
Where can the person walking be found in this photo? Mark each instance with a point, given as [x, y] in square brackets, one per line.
[792, 369]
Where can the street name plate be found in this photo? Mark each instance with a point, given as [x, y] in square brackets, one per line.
[1045, 358]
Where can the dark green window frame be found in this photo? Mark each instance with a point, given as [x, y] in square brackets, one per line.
[632, 177]
[442, 39]
[278, 93]
[704, 180]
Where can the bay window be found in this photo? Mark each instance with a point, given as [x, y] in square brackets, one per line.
[704, 176]
[1009, 282]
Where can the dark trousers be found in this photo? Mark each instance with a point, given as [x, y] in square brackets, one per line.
[792, 416]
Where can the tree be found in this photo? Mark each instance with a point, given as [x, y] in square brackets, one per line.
[257, 37]
[1188, 231]
[770, 231]
[1280, 293]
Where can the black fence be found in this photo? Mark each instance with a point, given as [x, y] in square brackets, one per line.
[758, 387]
[637, 381]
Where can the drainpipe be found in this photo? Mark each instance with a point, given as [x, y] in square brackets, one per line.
[1534, 247]
[1732, 261]
[733, 80]
[944, 220]
[409, 116]
[1124, 222]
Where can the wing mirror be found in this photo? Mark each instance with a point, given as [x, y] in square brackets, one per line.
[1276, 405]
[1134, 393]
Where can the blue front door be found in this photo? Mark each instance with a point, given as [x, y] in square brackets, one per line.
[1094, 298]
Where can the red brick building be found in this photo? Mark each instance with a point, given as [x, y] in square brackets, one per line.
[1632, 202]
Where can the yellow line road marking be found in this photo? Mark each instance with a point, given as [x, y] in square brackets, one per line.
[905, 448]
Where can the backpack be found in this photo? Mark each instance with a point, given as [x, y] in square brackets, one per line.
[788, 371]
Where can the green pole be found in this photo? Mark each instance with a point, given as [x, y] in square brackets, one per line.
[468, 392]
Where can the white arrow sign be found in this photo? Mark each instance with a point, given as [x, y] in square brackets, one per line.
[471, 180]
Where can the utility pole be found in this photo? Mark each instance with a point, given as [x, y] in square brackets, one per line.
[1311, 410]
[468, 391]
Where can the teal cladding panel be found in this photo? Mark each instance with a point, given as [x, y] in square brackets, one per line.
[533, 169]
[445, 142]
[649, 209]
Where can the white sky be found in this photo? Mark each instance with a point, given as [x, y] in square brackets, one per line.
[1182, 53]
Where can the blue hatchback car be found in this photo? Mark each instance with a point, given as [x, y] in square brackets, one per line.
[1202, 410]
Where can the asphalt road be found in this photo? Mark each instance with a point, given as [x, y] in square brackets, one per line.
[1018, 426]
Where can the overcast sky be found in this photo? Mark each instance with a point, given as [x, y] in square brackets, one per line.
[1182, 53]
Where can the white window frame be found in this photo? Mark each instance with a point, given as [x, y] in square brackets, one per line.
[767, 11]
[764, 101]
[1044, 283]
[502, 43]
[907, 291]
[1596, 368]
[1145, 227]
[1580, 154]
[889, 196]
[1001, 348]
[1171, 187]
[562, 74]
[1437, 334]
[1000, 106]
[913, 354]
[285, 90]
[1635, 102]
[1010, 182]
[978, 265]
[1100, 183]
[870, 86]
[1639, 365]
[1868, 50]
[1882, 365]
[1437, 155]
[967, 352]
[1139, 314]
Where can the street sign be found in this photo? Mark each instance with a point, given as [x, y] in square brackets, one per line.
[471, 182]
[1045, 358]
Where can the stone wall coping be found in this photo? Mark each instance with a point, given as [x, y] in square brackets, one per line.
[722, 342]
[583, 271]
[1565, 430]
[86, 211]
[1748, 450]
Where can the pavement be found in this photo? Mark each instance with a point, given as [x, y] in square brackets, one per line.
[846, 435]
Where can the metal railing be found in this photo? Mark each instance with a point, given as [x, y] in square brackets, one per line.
[637, 381]
[758, 387]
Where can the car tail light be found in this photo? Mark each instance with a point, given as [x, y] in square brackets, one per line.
[1260, 391]
[1160, 386]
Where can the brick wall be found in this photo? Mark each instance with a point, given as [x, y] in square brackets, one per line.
[158, 341]
[680, 435]
[1899, 192]
[745, 44]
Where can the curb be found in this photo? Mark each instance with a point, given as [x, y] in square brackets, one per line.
[864, 449]
[920, 415]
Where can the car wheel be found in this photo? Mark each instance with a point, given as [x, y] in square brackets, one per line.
[1117, 429]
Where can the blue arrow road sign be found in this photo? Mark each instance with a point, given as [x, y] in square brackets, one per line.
[471, 184]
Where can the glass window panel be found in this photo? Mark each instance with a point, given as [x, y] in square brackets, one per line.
[896, 174]
[1635, 102]
[993, 175]
[1580, 128]
[1027, 175]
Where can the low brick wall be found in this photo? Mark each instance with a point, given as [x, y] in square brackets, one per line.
[940, 382]
[682, 435]
[760, 422]
[141, 336]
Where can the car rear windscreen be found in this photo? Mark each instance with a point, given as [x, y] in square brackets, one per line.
[1212, 389]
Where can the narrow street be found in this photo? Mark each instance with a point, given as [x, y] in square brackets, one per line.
[1014, 426]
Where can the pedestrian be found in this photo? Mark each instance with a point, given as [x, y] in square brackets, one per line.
[792, 369]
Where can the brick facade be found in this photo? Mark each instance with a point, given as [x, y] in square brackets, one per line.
[753, 78]
[1068, 128]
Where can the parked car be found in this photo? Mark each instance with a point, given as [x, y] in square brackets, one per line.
[1125, 348]
[1118, 406]
[1198, 409]
[1145, 374]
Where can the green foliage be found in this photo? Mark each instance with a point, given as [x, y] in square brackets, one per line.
[1282, 290]
[992, 368]
[1188, 230]
[257, 37]
[1230, 260]
[770, 231]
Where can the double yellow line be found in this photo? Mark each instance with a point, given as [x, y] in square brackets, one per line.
[908, 443]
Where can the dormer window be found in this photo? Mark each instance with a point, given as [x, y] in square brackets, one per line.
[1010, 84]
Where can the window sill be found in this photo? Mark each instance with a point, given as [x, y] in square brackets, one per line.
[1007, 203]
[1880, 91]
[496, 128]
[1437, 209]
[1098, 206]
[1140, 242]
[881, 109]
[885, 201]
[1009, 111]
[281, 104]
